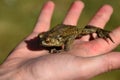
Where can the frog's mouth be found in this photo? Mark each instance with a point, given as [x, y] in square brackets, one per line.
[51, 44]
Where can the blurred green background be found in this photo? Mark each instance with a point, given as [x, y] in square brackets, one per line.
[18, 17]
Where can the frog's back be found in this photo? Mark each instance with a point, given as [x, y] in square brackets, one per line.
[64, 30]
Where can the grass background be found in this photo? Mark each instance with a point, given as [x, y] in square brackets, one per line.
[18, 17]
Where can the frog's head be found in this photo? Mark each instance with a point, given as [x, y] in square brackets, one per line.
[50, 41]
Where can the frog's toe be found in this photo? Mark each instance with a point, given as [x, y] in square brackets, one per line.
[54, 50]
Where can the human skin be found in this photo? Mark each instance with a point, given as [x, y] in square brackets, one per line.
[84, 61]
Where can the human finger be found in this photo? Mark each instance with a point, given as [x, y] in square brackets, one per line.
[102, 16]
[74, 13]
[44, 19]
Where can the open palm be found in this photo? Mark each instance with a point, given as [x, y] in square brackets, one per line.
[85, 60]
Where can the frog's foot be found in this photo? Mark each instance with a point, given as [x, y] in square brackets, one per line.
[54, 50]
[103, 34]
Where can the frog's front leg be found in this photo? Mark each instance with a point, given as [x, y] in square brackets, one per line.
[68, 42]
[101, 33]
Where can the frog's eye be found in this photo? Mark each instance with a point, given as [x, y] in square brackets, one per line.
[59, 37]
[40, 35]
[47, 40]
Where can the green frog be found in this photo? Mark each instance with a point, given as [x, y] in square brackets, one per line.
[60, 37]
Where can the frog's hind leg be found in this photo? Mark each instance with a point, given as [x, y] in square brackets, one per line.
[101, 33]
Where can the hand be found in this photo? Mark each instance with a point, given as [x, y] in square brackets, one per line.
[85, 60]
